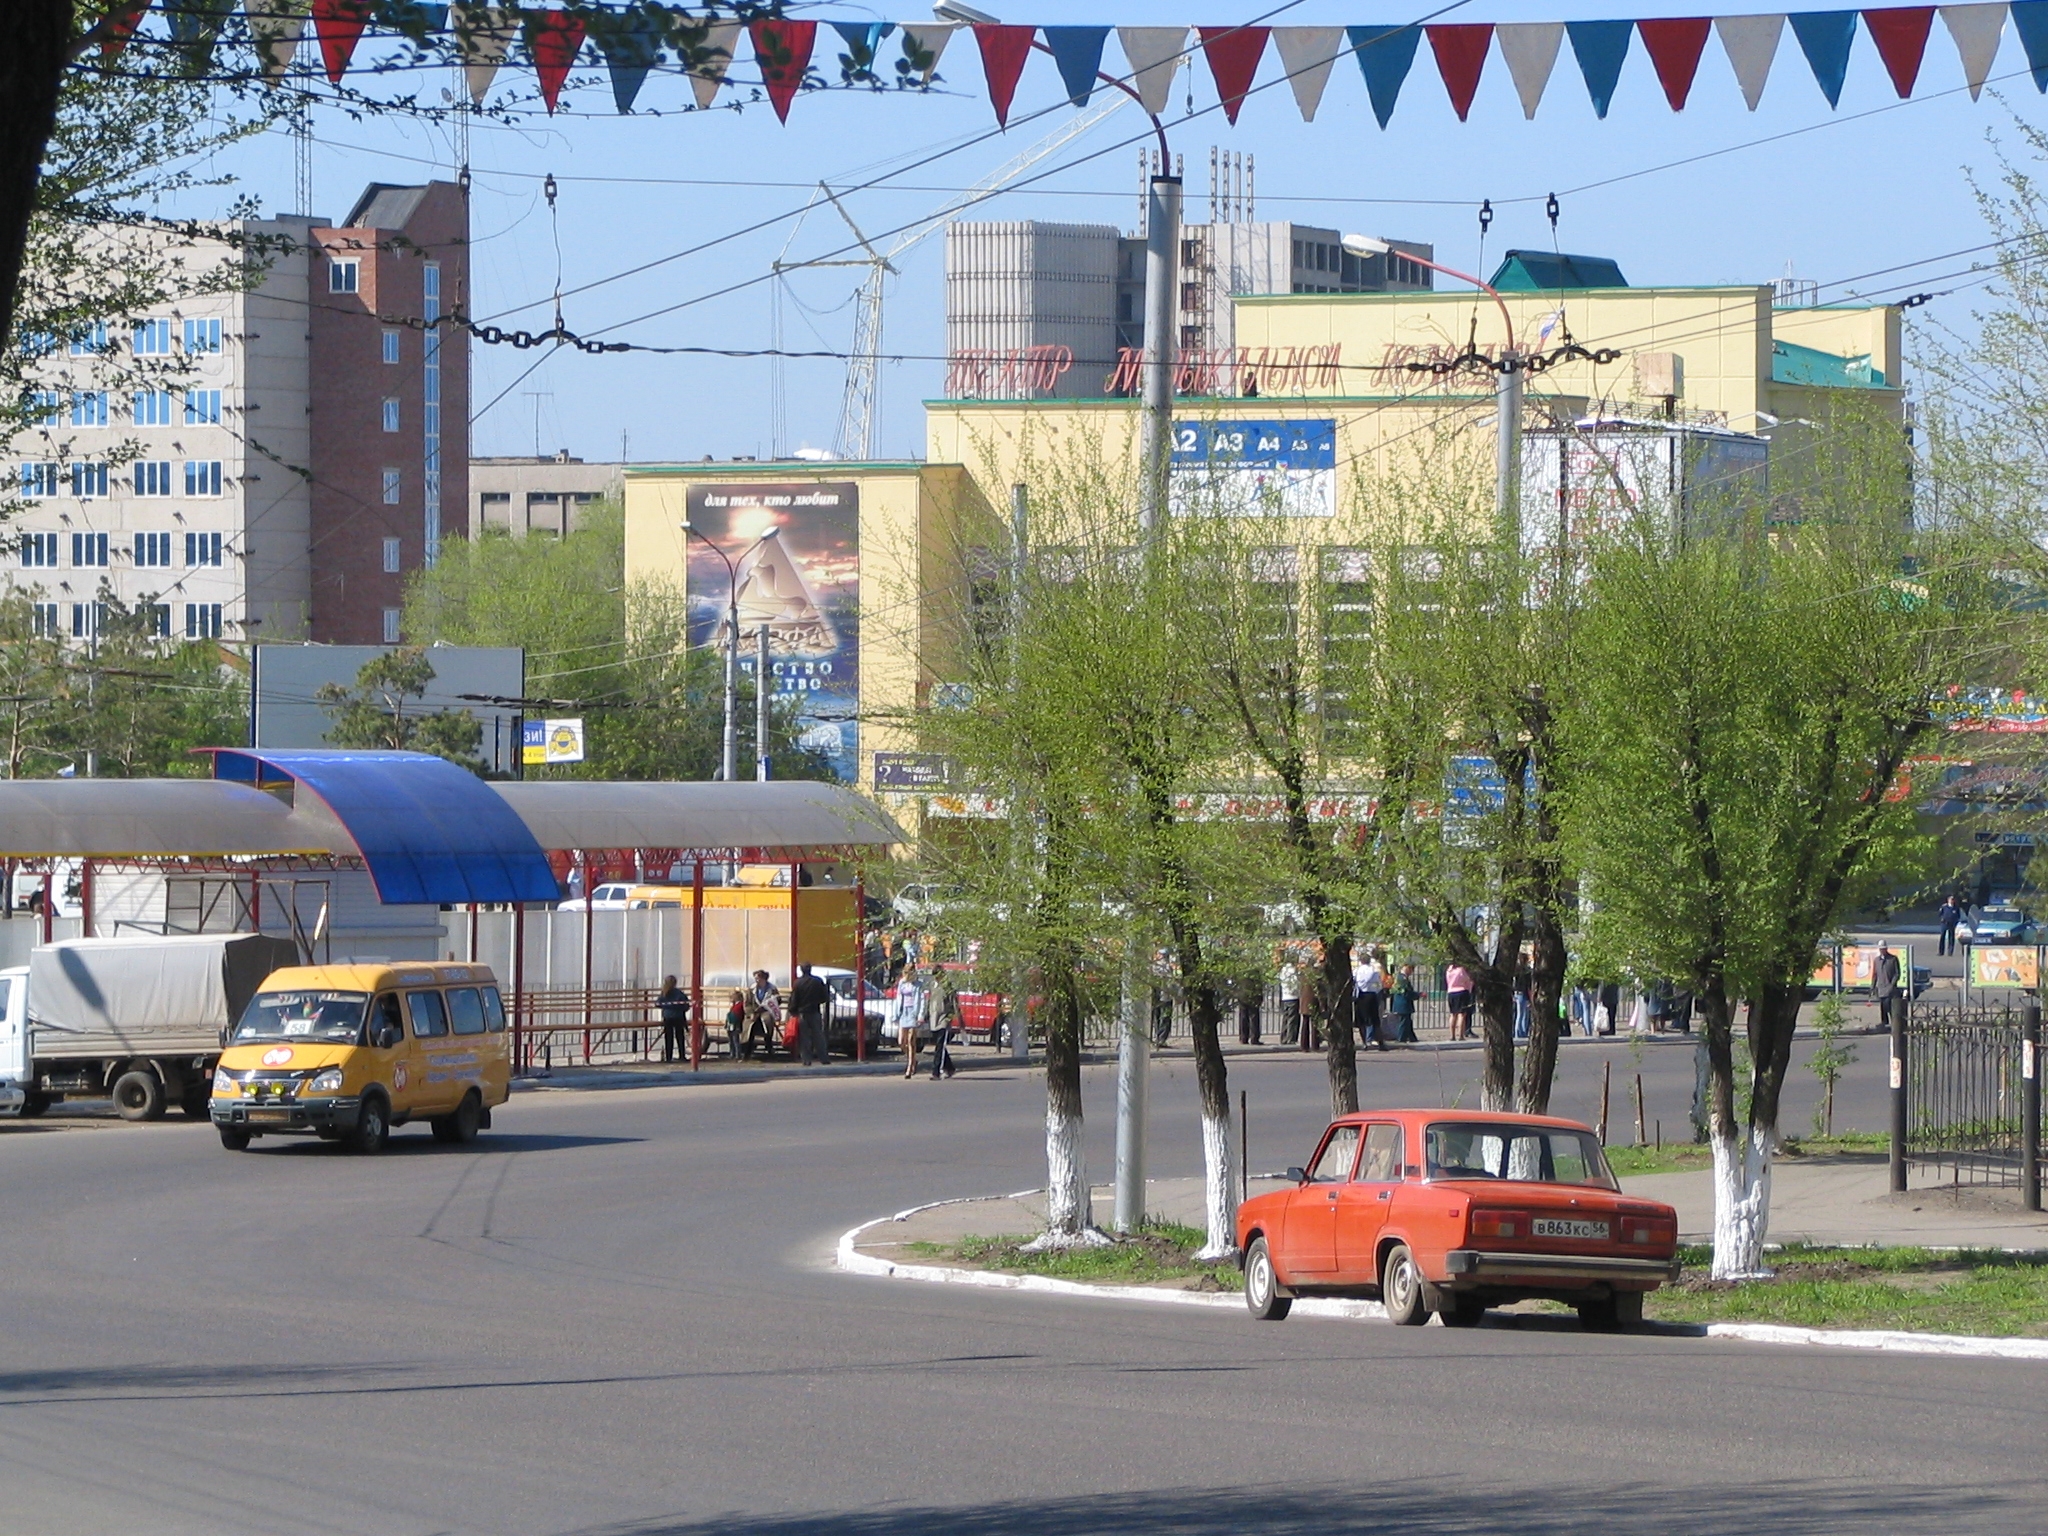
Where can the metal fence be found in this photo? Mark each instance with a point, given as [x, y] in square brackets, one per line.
[1966, 1094]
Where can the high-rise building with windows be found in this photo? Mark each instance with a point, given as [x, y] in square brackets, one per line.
[241, 465]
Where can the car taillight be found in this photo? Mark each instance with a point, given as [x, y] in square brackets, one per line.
[1649, 1230]
[1499, 1224]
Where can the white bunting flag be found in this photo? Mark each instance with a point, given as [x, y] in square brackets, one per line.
[483, 36]
[276, 27]
[1751, 43]
[1307, 53]
[1530, 49]
[1154, 54]
[927, 37]
[1976, 30]
[707, 76]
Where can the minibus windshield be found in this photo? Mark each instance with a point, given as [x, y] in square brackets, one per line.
[330, 1016]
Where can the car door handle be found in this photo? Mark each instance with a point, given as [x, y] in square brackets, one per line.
[1333, 1194]
[1386, 1194]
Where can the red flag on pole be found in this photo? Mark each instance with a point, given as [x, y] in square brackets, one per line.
[1003, 52]
[118, 26]
[783, 50]
[1233, 54]
[1460, 55]
[554, 38]
[1901, 38]
[339, 26]
[1674, 46]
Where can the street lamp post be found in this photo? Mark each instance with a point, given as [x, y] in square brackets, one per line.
[729, 748]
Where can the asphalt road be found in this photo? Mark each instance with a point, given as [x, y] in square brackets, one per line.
[616, 1315]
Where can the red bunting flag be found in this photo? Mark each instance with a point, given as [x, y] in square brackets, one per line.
[1460, 55]
[783, 50]
[554, 38]
[339, 26]
[1674, 47]
[1003, 52]
[1901, 38]
[1233, 54]
[117, 26]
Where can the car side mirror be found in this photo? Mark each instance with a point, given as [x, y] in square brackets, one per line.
[388, 1036]
[1297, 1175]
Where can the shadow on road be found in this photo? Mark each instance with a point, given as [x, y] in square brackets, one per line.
[404, 1145]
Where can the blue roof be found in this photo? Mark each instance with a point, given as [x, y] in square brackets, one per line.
[429, 831]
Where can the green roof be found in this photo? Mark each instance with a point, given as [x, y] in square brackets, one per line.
[1794, 364]
[1545, 271]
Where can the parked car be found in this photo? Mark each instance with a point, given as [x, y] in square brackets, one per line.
[2003, 925]
[839, 1027]
[1451, 1212]
[611, 894]
[923, 903]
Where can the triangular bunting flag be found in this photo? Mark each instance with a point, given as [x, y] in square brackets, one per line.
[339, 26]
[1233, 54]
[863, 41]
[1751, 43]
[1460, 56]
[1385, 55]
[1901, 38]
[1003, 52]
[630, 41]
[1078, 53]
[1825, 37]
[1154, 53]
[1529, 48]
[195, 28]
[483, 36]
[1674, 47]
[923, 44]
[1307, 53]
[783, 50]
[710, 59]
[2030, 21]
[275, 26]
[1976, 30]
[1601, 47]
[119, 25]
[553, 39]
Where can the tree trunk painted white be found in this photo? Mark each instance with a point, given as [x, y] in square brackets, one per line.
[1069, 1212]
[1220, 1186]
[1742, 1202]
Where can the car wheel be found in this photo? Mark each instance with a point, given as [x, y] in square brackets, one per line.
[1401, 1289]
[464, 1122]
[234, 1138]
[373, 1125]
[1262, 1296]
[139, 1095]
[1465, 1312]
[1599, 1316]
[35, 1105]
[1628, 1311]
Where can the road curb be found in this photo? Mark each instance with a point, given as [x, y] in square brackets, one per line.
[848, 1257]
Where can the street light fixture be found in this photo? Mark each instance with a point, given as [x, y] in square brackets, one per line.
[728, 763]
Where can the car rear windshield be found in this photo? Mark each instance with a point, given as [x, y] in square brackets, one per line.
[332, 1016]
[1530, 1153]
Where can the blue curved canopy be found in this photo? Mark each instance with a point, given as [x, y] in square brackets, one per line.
[429, 832]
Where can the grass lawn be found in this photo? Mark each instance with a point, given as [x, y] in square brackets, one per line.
[1158, 1254]
[1683, 1157]
[1915, 1289]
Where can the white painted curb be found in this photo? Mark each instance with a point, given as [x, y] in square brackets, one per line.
[849, 1258]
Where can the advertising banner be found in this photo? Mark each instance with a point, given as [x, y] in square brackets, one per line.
[2005, 965]
[913, 770]
[1255, 468]
[797, 552]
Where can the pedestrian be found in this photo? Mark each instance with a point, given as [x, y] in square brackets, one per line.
[1585, 1005]
[1525, 982]
[909, 1015]
[808, 999]
[1290, 1000]
[1458, 999]
[1371, 976]
[767, 1012]
[674, 1004]
[1884, 985]
[1401, 998]
[1610, 1006]
[1656, 1005]
[942, 1011]
[1950, 916]
[739, 1039]
[1251, 1000]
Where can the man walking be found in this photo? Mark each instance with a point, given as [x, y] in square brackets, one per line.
[1884, 984]
[1950, 915]
[1371, 977]
[674, 1004]
[810, 998]
[943, 1007]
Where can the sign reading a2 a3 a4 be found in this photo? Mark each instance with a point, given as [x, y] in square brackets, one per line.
[551, 741]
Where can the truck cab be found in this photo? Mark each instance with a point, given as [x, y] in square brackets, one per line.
[14, 1040]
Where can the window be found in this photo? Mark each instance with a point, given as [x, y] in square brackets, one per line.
[1382, 1161]
[152, 338]
[494, 1011]
[1516, 1152]
[1333, 1164]
[39, 550]
[429, 1015]
[391, 487]
[390, 415]
[392, 556]
[88, 480]
[202, 336]
[391, 346]
[343, 277]
[88, 549]
[1346, 601]
[39, 478]
[202, 621]
[153, 549]
[89, 340]
[87, 619]
[391, 626]
[152, 477]
[466, 1010]
[45, 407]
[158, 617]
[153, 408]
[43, 620]
[202, 549]
[202, 477]
[89, 408]
[202, 407]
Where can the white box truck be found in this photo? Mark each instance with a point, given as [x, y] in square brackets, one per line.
[138, 1019]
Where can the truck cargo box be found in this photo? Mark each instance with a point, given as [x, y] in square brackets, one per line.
[146, 995]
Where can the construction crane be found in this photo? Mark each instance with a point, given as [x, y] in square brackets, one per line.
[859, 414]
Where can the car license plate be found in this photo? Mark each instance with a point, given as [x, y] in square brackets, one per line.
[270, 1115]
[1561, 1226]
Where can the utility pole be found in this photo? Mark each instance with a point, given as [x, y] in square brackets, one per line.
[761, 705]
[729, 742]
[1507, 437]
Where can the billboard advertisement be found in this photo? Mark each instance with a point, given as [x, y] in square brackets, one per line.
[1255, 468]
[796, 552]
[2005, 965]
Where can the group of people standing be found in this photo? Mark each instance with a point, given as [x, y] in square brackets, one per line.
[927, 1008]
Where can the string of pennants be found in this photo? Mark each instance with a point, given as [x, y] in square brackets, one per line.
[630, 43]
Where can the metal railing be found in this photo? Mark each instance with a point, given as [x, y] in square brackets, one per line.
[1970, 1092]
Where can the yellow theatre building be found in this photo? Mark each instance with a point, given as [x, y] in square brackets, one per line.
[850, 547]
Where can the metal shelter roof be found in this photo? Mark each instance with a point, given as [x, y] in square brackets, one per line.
[156, 818]
[785, 819]
[429, 831]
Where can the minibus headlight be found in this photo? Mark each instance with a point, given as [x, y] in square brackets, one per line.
[326, 1080]
[223, 1082]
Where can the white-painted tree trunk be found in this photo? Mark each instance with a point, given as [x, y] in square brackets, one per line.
[1069, 1212]
[1742, 1202]
[1220, 1186]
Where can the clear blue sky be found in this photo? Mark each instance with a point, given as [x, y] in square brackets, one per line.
[1857, 193]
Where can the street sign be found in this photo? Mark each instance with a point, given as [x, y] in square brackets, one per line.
[913, 770]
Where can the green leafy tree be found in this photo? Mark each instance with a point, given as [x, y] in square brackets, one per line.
[383, 710]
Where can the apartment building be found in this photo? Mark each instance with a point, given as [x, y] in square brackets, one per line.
[522, 494]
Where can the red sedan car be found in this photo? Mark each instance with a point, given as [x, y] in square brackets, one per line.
[1451, 1212]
